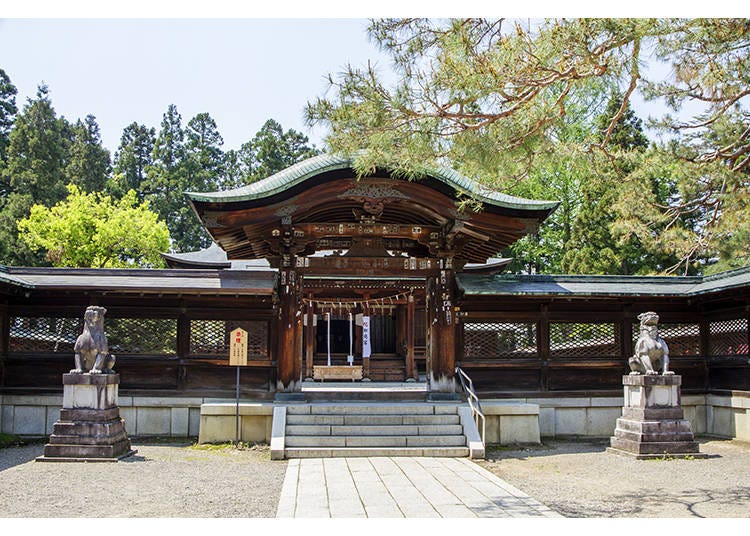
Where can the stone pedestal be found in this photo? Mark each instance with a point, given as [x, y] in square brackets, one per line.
[90, 428]
[652, 423]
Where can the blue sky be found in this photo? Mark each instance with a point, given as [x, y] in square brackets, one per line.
[241, 72]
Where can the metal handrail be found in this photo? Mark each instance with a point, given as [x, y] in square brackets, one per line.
[472, 399]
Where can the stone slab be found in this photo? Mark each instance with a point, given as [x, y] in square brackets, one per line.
[30, 420]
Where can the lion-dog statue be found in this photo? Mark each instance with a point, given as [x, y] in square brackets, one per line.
[91, 350]
[651, 352]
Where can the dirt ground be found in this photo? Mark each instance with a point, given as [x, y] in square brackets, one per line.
[161, 480]
[176, 480]
[580, 479]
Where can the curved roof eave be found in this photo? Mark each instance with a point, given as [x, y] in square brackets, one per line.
[311, 167]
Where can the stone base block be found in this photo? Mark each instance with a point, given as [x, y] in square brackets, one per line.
[90, 391]
[652, 423]
[90, 427]
[85, 453]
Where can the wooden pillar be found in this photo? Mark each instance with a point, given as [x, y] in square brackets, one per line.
[183, 348]
[288, 323]
[411, 369]
[705, 342]
[542, 346]
[366, 360]
[442, 359]
[4, 330]
[309, 337]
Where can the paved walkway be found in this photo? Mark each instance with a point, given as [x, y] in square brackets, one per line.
[400, 487]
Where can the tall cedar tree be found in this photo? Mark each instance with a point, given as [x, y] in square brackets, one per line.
[272, 150]
[88, 165]
[34, 173]
[8, 111]
[132, 161]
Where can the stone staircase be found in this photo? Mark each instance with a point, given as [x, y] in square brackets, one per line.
[333, 429]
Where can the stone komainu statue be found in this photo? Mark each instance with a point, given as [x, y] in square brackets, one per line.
[91, 350]
[651, 352]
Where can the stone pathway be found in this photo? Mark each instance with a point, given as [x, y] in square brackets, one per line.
[381, 487]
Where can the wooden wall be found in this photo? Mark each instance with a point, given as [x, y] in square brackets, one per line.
[549, 368]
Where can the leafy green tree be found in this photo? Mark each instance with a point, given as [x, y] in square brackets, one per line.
[8, 112]
[88, 164]
[132, 160]
[93, 230]
[272, 149]
[488, 98]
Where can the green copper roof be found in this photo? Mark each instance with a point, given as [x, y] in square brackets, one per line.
[600, 285]
[302, 171]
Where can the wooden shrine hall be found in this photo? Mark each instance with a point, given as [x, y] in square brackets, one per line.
[379, 250]
[384, 277]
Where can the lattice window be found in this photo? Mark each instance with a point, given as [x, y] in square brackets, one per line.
[499, 339]
[44, 334]
[211, 337]
[156, 336]
[570, 339]
[729, 337]
[682, 339]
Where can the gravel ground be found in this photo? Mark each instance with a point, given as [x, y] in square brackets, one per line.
[580, 479]
[577, 479]
[161, 480]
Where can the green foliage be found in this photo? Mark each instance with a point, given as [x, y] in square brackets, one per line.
[8, 112]
[33, 173]
[9, 440]
[272, 150]
[132, 160]
[169, 177]
[93, 230]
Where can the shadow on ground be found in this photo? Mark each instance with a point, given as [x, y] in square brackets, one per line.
[547, 448]
[13, 456]
[697, 503]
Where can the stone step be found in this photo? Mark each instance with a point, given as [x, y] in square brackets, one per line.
[371, 409]
[373, 430]
[655, 427]
[376, 441]
[654, 437]
[340, 452]
[371, 419]
[60, 439]
[667, 447]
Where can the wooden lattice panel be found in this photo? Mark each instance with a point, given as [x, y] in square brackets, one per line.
[499, 339]
[682, 339]
[211, 337]
[147, 336]
[728, 337]
[44, 334]
[571, 339]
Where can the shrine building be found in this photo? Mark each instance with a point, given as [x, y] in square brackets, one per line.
[373, 280]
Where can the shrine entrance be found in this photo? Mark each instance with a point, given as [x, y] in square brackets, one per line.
[380, 248]
[382, 330]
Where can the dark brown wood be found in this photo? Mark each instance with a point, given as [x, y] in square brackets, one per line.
[286, 326]
[411, 368]
[309, 337]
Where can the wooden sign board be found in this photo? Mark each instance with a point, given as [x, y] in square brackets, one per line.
[238, 347]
